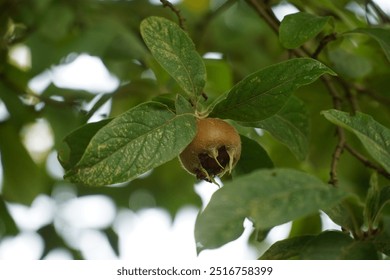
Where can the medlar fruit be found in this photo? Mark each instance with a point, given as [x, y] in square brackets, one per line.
[214, 151]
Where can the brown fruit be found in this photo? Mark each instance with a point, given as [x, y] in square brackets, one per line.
[214, 151]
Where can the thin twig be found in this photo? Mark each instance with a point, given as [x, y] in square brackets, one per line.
[181, 19]
[336, 98]
[323, 43]
[333, 180]
[266, 13]
[337, 104]
[367, 162]
[380, 98]
[28, 94]
[261, 8]
[349, 95]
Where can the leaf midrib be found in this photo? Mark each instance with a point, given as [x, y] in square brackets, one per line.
[244, 102]
[81, 166]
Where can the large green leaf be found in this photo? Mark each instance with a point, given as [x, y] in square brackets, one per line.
[376, 200]
[381, 35]
[309, 225]
[290, 126]
[182, 106]
[371, 207]
[329, 245]
[253, 157]
[176, 53]
[296, 29]
[287, 249]
[78, 141]
[267, 197]
[347, 213]
[373, 135]
[140, 139]
[382, 240]
[264, 93]
[384, 198]
[336, 245]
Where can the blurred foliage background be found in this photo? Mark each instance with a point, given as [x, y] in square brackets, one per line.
[235, 42]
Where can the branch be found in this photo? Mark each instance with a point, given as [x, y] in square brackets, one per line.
[349, 95]
[263, 10]
[323, 43]
[333, 180]
[367, 162]
[266, 13]
[337, 102]
[380, 98]
[336, 98]
[181, 19]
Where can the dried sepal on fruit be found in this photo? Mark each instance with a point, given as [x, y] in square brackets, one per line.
[214, 151]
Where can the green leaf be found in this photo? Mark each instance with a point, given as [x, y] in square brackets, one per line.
[329, 245]
[290, 126]
[326, 246]
[376, 200]
[78, 141]
[263, 94]
[384, 198]
[140, 139]
[308, 225]
[347, 214]
[261, 234]
[168, 99]
[381, 35]
[360, 250]
[253, 157]
[296, 29]
[266, 197]
[288, 249]
[336, 245]
[382, 240]
[176, 53]
[56, 115]
[372, 201]
[182, 105]
[374, 136]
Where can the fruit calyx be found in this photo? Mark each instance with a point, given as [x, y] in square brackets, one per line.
[214, 151]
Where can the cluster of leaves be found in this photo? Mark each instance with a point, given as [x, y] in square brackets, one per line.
[297, 102]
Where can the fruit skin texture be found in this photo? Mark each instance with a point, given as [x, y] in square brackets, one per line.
[214, 151]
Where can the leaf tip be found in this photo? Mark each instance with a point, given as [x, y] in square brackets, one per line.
[199, 248]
